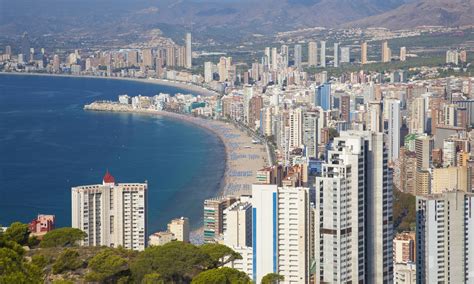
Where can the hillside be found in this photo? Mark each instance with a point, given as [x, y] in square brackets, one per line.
[422, 13]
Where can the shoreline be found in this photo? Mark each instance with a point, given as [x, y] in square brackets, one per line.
[225, 132]
[189, 87]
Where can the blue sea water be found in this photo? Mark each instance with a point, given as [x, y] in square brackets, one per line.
[48, 144]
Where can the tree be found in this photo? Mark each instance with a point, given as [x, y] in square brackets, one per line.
[224, 275]
[174, 261]
[18, 232]
[220, 254]
[14, 269]
[62, 237]
[153, 278]
[272, 278]
[68, 260]
[107, 265]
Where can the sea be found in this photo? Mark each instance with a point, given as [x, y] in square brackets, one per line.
[49, 144]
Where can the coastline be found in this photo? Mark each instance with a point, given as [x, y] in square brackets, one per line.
[189, 87]
[243, 158]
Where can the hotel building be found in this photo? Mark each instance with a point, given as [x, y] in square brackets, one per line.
[112, 214]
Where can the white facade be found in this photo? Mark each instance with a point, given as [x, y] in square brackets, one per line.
[280, 228]
[445, 238]
[189, 52]
[322, 61]
[238, 234]
[394, 125]
[404, 273]
[111, 214]
[354, 204]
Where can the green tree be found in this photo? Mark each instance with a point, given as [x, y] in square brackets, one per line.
[14, 269]
[153, 278]
[18, 232]
[220, 254]
[68, 260]
[40, 260]
[272, 278]
[62, 237]
[174, 261]
[107, 265]
[223, 275]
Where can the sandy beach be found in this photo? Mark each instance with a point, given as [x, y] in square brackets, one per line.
[243, 157]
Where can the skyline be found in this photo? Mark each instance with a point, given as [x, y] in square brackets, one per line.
[278, 153]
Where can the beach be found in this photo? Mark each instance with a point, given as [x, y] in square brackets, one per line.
[243, 157]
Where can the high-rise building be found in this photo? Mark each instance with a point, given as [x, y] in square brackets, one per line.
[180, 229]
[208, 74]
[281, 232]
[394, 125]
[418, 116]
[386, 52]
[255, 105]
[238, 234]
[312, 54]
[8, 50]
[310, 133]
[132, 58]
[298, 56]
[285, 55]
[424, 145]
[25, 47]
[147, 57]
[403, 53]
[274, 62]
[112, 214]
[295, 123]
[354, 207]
[214, 217]
[363, 53]
[323, 54]
[323, 96]
[374, 116]
[170, 56]
[345, 54]
[345, 107]
[189, 51]
[445, 238]
[336, 55]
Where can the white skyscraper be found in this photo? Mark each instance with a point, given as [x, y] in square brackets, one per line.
[208, 71]
[445, 238]
[310, 133]
[285, 55]
[112, 214]
[274, 59]
[238, 233]
[323, 54]
[295, 123]
[394, 125]
[280, 230]
[345, 54]
[336, 54]
[248, 94]
[298, 55]
[354, 207]
[189, 52]
[312, 54]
